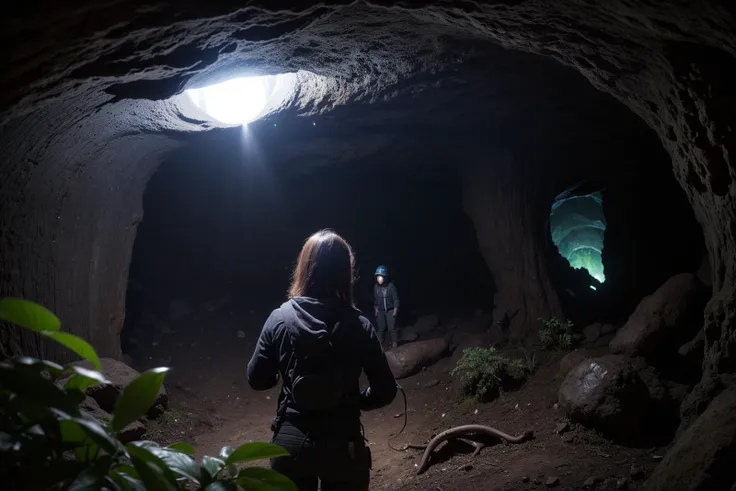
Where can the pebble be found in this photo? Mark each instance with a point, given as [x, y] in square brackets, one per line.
[562, 428]
[636, 471]
[591, 482]
[567, 438]
[466, 467]
[525, 479]
[552, 482]
[657, 458]
[431, 383]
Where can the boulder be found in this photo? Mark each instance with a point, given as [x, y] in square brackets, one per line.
[570, 361]
[700, 397]
[120, 375]
[410, 358]
[666, 397]
[703, 457]
[692, 353]
[664, 320]
[606, 393]
[407, 335]
[592, 332]
[426, 324]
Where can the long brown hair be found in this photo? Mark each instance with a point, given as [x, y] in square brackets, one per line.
[325, 268]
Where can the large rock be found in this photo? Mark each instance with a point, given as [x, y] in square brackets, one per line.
[703, 457]
[606, 393]
[664, 320]
[665, 399]
[701, 396]
[410, 358]
[426, 324]
[120, 375]
[693, 352]
[571, 360]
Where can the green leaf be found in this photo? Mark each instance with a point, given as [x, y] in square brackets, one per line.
[255, 451]
[180, 463]
[83, 378]
[262, 479]
[88, 480]
[72, 432]
[127, 480]
[212, 466]
[28, 314]
[97, 434]
[76, 344]
[152, 470]
[221, 486]
[183, 447]
[137, 397]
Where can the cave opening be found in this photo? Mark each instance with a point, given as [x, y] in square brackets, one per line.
[578, 226]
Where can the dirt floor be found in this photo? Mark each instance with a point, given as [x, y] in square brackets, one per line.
[212, 406]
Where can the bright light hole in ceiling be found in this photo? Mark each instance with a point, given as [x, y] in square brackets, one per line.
[236, 101]
[577, 225]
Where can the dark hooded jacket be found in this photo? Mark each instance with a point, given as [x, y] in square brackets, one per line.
[303, 325]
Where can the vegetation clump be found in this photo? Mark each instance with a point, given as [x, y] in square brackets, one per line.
[556, 334]
[485, 372]
[48, 441]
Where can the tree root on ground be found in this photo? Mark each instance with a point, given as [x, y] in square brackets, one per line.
[466, 432]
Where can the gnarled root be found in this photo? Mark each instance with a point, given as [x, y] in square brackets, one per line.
[465, 432]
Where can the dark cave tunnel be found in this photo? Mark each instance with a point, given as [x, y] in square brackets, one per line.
[516, 165]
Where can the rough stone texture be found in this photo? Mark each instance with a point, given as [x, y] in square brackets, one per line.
[693, 353]
[698, 400]
[119, 375]
[663, 320]
[704, 455]
[573, 359]
[410, 358]
[606, 393]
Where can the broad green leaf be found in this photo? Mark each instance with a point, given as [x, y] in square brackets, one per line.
[127, 470]
[28, 314]
[137, 397]
[72, 433]
[211, 466]
[28, 383]
[83, 378]
[98, 435]
[152, 470]
[147, 444]
[183, 447]
[89, 480]
[180, 463]
[128, 480]
[221, 486]
[42, 365]
[255, 451]
[76, 344]
[262, 479]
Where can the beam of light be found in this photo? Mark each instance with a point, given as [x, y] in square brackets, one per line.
[238, 101]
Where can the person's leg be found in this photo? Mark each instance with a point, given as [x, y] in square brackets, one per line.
[352, 472]
[381, 327]
[391, 324]
[299, 465]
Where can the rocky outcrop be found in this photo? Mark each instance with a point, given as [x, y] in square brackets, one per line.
[701, 396]
[702, 458]
[664, 320]
[692, 354]
[119, 375]
[411, 358]
[606, 393]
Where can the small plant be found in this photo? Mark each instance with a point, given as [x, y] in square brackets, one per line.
[48, 442]
[556, 334]
[485, 372]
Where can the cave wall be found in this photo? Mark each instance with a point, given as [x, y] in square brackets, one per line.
[670, 63]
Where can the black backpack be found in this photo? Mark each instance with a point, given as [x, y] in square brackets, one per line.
[316, 383]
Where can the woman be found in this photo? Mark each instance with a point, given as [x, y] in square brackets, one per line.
[385, 305]
[318, 344]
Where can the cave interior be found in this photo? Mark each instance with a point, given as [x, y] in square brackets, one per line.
[509, 162]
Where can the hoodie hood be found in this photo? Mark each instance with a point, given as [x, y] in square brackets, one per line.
[310, 323]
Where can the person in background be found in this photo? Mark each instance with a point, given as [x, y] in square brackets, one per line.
[385, 305]
[318, 344]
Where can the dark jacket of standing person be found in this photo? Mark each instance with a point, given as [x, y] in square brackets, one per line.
[318, 344]
[385, 297]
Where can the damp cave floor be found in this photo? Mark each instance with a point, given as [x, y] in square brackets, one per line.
[211, 406]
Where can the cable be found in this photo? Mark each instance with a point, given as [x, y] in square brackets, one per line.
[406, 418]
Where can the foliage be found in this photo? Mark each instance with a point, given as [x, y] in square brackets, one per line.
[485, 372]
[556, 334]
[47, 442]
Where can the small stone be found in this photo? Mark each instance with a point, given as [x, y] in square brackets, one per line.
[556, 406]
[525, 479]
[637, 472]
[591, 482]
[552, 482]
[622, 484]
[466, 467]
[567, 438]
[657, 458]
[562, 428]
[241, 334]
[537, 481]
[431, 383]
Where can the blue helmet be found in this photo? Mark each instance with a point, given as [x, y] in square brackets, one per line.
[381, 271]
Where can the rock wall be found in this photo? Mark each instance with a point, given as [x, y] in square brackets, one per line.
[509, 212]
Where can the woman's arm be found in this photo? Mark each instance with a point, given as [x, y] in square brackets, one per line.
[263, 368]
[381, 383]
